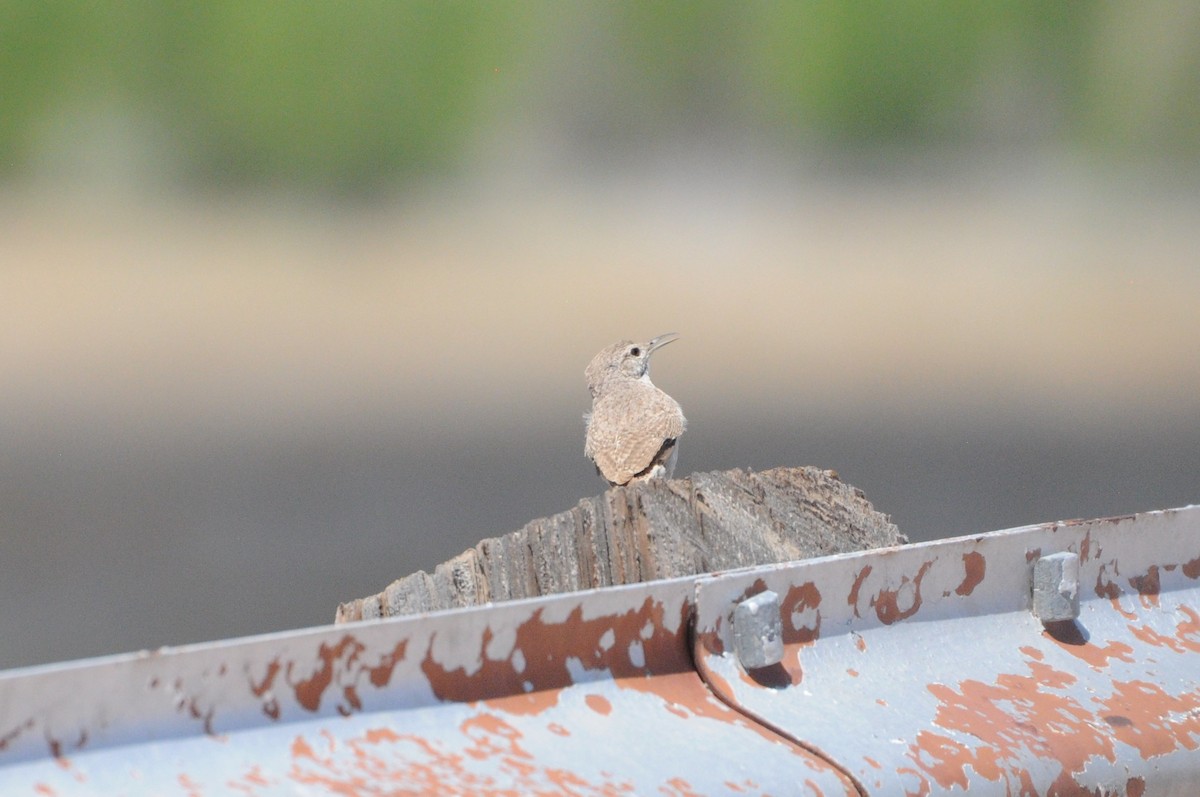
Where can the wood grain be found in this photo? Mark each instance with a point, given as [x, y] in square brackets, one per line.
[646, 531]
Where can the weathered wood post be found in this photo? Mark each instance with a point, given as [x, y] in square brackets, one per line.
[657, 529]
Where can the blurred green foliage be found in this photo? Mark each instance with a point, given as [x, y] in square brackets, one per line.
[347, 95]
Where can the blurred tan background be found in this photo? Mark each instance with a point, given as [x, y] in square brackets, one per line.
[296, 298]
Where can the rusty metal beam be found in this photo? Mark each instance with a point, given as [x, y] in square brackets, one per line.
[923, 670]
[588, 693]
[918, 670]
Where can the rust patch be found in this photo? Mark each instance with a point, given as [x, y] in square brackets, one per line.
[758, 586]
[309, 690]
[302, 749]
[558, 730]
[251, 782]
[255, 777]
[1015, 719]
[598, 704]
[491, 736]
[206, 717]
[1030, 717]
[190, 787]
[1155, 723]
[352, 699]
[1105, 587]
[886, 602]
[1135, 787]
[1032, 555]
[1187, 633]
[923, 789]
[857, 587]
[685, 695]
[678, 787]
[1050, 677]
[938, 748]
[1147, 586]
[15, 733]
[1191, 568]
[611, 643]
[270, 706]
[1094, 656]
[60, 757]
[491, 761]
[801, 607]
[860, 642]
[260, 689]
[341, 663]
[975, 566]
[381, 674]
[1067, 786]
[747, 786]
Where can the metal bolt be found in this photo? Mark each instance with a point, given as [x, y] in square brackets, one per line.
[1056, 587]
[758, 631]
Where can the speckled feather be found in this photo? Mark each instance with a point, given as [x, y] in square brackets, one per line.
[633, 426]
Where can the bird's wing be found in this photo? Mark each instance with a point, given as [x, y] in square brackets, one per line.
[627, 431]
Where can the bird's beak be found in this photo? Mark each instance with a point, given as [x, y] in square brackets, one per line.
[660, 341]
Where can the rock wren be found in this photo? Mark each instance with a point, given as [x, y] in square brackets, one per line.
[633, 426]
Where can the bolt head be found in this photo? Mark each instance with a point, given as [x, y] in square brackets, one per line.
[1056, 587]
[758, 631]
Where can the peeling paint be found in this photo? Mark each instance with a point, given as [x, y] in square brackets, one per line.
[856, 588]
[548, 648]
[1147, 586]
[956, 687]
[974, 570]
[801, 608]
[915, 670]
[888, 603]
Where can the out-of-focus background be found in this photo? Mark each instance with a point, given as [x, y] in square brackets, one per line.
[295, 298]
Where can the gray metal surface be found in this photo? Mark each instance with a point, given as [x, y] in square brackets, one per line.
[922, 671]
[918, 670]
[588, 693]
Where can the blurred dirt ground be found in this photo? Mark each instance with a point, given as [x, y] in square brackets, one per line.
[221, 416]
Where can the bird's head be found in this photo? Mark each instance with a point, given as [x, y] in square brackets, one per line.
[623, 360]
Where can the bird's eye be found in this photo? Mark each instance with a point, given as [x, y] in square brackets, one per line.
[635, 351]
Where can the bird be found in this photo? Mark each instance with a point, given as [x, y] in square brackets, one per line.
[633, 427]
